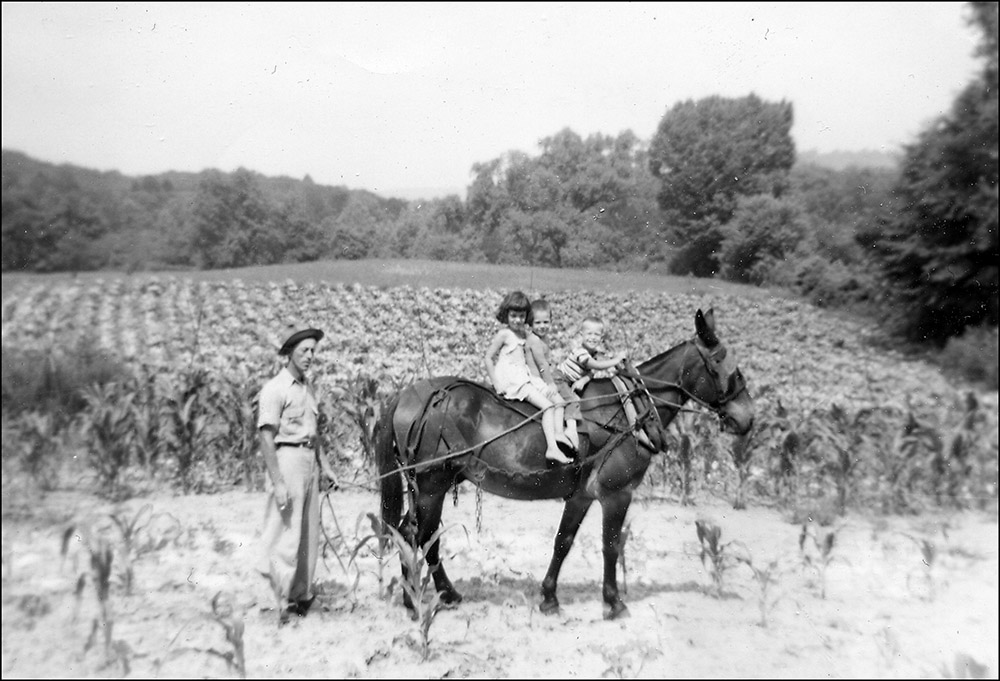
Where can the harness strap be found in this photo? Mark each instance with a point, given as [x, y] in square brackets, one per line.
[419, 437]
[625, 393]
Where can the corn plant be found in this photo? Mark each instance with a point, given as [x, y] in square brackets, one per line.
[146, 420]
[720, 556]
[823, 542]
[100, 555]
[766, 578]
[225, 614]
[418, 583]
[627, 659]
[109, 431]
[966, 667]
[706, 443]
[897, 471]
[187, 416]
[684, 458]
[239, 403]
[364, 405]
[140, 538]
[37, 446]
[889, 647]
[379, 553]
[741, 454]
[338, 544]
[846, 443]
[928, 557]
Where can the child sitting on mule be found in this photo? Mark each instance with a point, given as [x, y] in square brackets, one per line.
[507, 368]
[540, 363]
[575, 372]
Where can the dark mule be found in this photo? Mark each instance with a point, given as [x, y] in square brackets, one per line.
[440, 431]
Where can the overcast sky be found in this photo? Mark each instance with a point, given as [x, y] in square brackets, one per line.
[403, 98]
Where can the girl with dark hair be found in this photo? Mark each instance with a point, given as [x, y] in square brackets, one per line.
[507, 367]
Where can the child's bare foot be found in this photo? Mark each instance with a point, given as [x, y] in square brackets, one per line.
[565, 440]
[574, 440]
[557, 456]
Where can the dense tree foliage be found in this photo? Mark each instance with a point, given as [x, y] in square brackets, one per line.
[844, 208]
[762, 234]
[581, 202]
[58, 218]
[707, 154]
[938, 249]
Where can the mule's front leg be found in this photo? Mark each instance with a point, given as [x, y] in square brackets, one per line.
[615, 508]
[573, 513]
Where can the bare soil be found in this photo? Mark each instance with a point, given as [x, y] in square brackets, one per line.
[904, 597]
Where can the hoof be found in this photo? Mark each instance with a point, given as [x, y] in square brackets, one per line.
[616, 611]
[549, 607]
[451, 597]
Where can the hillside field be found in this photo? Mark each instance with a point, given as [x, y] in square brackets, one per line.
[900, 582]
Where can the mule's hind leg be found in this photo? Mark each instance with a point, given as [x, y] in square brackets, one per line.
[573, 513]
[429, 519]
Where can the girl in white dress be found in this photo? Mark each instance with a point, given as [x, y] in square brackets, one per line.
[507, 367]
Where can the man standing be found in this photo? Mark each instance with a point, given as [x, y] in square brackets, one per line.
[294, 459]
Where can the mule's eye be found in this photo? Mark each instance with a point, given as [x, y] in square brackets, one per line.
[735, 382]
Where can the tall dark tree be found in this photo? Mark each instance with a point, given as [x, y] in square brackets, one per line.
[706, 155]
[938, 251]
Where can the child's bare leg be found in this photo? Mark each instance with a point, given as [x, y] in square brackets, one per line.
[548, 427]
[552, 451]
[561, 435]
[572, 434]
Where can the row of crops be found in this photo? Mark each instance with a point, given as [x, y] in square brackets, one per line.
[841, 421]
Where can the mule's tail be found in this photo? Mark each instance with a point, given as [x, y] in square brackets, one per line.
[390, 477]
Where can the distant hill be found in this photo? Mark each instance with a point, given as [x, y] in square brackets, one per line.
[842, 160]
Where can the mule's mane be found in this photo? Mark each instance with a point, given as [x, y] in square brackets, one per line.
[663, 355]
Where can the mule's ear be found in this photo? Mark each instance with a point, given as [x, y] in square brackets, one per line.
[704, 323]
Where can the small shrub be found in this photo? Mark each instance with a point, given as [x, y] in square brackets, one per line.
[972, 356]
[50, 381]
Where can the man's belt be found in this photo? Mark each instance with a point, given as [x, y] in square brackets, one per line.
[308, 444]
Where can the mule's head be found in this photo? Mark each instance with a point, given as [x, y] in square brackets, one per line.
[719, 385]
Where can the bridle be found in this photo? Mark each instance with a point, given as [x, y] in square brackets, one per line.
[735, 385]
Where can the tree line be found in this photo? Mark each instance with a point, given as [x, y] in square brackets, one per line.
[716, 192]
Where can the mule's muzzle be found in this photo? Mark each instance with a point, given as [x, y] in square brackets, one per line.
[735, 426]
